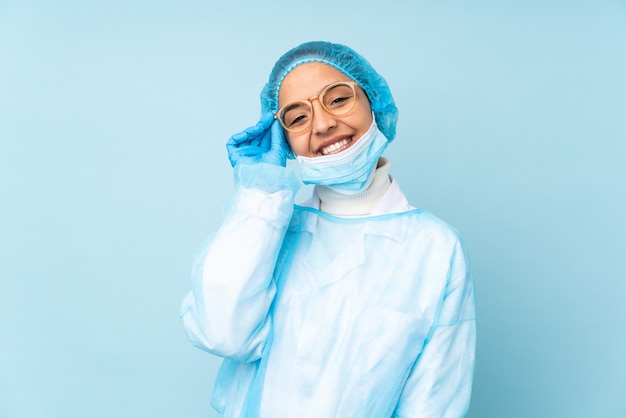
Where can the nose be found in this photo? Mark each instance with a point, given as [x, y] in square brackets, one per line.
[322, 120]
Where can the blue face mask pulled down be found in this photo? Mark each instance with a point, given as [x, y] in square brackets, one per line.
[350, 171]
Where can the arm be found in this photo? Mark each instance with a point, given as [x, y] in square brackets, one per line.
[440, 382]
[232, 286]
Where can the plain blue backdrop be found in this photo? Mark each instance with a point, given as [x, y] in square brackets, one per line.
[113, 119]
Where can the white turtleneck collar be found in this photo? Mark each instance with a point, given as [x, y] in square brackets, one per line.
[360, 204]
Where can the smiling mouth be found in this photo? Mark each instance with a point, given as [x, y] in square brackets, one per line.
[336, 147]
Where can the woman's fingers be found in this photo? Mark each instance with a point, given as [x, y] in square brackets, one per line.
[254, 132]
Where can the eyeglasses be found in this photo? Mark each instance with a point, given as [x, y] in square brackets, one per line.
[337, 99]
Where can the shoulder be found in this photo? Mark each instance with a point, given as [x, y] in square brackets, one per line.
[430, 236]
[437, 226]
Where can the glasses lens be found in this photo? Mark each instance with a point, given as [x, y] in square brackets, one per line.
[296, 116]
[339, 99]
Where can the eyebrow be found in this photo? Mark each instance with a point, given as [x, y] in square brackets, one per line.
[292, 105]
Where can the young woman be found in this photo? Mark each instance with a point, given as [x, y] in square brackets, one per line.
[353, 304]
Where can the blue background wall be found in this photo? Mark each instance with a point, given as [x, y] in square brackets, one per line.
[113, 118]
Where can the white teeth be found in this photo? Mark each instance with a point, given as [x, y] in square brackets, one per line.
[336, 147]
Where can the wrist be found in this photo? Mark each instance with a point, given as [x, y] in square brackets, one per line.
[265, 176]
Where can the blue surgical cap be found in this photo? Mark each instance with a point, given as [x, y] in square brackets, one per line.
[348, 62]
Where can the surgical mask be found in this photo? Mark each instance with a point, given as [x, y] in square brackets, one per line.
[350, 171]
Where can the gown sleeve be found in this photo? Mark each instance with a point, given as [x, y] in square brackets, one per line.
[440, 383]
[226, 313]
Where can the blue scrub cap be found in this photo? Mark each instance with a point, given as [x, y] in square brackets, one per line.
[348, 62]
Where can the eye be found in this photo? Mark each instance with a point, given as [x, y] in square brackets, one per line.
[340, 100]
[338, 97]
[296, 114]
[295, 121]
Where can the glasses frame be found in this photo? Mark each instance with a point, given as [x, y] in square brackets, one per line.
[320, 98]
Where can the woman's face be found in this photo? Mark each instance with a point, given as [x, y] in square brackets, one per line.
[328, 134]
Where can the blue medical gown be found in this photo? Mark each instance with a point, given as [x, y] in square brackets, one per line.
[320, 316]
